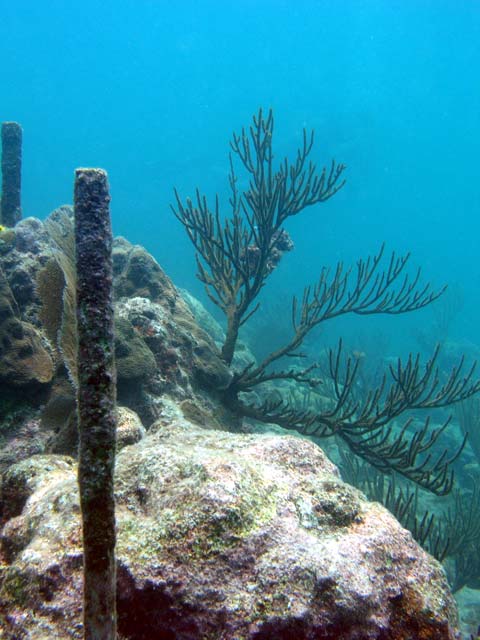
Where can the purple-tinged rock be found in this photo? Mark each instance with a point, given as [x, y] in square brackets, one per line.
[228, 537]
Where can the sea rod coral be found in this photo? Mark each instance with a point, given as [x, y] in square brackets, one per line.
[235, 256]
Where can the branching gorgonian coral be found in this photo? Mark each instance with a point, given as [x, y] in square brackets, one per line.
[235, 256]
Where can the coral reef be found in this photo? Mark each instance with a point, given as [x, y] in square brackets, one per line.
[224, 536]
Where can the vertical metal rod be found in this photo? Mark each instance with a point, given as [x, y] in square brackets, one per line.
[10, 209]
[96, 400]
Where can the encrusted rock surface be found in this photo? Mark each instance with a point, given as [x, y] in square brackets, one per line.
[220, 536]
[186, 359]
[24, 250]
[160, 349]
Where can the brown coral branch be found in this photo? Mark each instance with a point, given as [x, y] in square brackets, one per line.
[366, 290]
[366, 426]
[236, 255]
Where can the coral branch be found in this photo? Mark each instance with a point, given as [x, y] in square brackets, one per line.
[236, 256]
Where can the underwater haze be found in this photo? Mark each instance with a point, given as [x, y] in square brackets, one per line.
[152, 91]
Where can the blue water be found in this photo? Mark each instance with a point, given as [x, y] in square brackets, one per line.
[151, 91]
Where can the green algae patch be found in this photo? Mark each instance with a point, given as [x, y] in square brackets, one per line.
[328, 504]
[37, 467]
[209, 507]
[16, 586]
[141, 540]
[251, 504]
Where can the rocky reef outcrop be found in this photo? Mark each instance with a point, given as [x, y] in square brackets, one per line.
[220, 536]
[159, 348]
[25, 357]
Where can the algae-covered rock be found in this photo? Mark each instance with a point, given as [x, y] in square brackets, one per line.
[21, 261]
[224, 537]
[41, 551]
[21, 436]
[23, 479]
[187, 361]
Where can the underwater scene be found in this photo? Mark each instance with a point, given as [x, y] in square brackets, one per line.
[239, 320]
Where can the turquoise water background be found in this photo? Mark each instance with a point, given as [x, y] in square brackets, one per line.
[152, 90]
